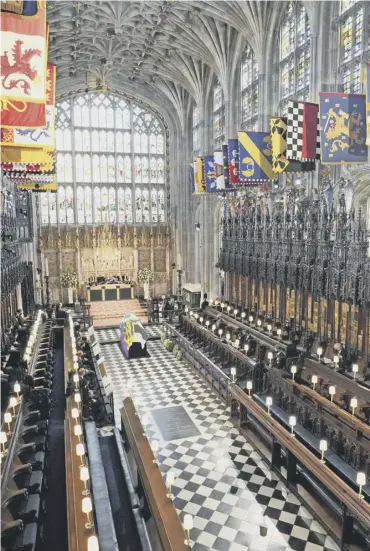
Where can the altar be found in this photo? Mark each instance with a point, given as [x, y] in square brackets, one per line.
[114, 291]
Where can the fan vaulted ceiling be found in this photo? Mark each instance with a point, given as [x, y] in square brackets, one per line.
[163, 45]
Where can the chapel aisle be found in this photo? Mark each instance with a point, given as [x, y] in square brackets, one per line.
[219, 477]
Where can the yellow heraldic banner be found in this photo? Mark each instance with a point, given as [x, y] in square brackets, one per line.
[280, 163]
[199, 176]
[29, 156]
[38, 186]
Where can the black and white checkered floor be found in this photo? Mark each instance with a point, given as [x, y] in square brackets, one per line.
[219, 478]
[112, 334]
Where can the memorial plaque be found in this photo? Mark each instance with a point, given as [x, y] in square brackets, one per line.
[174, 423]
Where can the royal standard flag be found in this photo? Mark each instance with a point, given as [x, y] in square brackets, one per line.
[368, 103]
[36, 137]
[280, 162]
[210, 173]
[233, 160]
[255, 157]
[343, 128]
[23, 51]
[199, 178]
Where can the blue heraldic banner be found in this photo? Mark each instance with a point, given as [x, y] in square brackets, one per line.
[255, 157]
[343, 128]
[26, 8]
[210, 172]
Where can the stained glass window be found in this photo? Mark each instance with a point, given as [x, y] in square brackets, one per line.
[154, 206]
[249, 89]
[121, 206]
[353, 38]
[294, 55]
[69, 205]
[218, 116]
[104, 141]
[80, 205]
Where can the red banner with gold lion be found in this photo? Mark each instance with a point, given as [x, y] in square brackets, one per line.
[23, 57]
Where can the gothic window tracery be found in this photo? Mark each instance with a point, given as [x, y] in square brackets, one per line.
[104, 141]
[352, 40]
[249, 90]
[294, 55]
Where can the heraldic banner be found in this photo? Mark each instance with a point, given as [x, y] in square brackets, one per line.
[343, 128]
[36, 137]
[255, 157]
[280, 162]
[23, 50]
[233, 160]
[218, 158]
[303, 137]
[209, 169]
[199, 178]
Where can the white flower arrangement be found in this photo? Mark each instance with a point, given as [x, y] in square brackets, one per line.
[69, 279]
[145, 275]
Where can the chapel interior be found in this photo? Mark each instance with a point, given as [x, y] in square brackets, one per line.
[185, 275]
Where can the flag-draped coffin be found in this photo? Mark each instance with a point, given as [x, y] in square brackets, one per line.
[343, 128]
[255, 157]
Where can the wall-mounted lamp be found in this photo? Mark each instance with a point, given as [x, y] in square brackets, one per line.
[197, 226]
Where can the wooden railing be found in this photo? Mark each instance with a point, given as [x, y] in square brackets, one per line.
[169, 527]
[360, 509]
[78, 534]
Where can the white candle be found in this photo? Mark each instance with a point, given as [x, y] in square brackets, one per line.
[46, 267]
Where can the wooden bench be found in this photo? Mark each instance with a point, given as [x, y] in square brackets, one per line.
[77, 533]
[169, 527]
